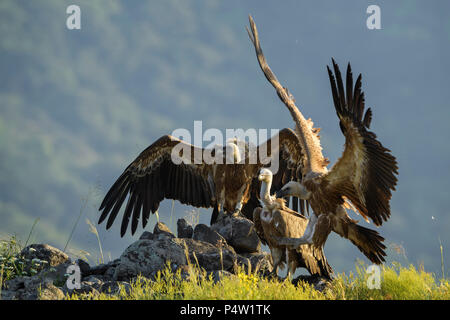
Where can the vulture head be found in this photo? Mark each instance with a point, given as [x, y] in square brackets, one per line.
[265, 175]
[295, 189]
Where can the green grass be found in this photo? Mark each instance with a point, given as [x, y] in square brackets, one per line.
[397, 282]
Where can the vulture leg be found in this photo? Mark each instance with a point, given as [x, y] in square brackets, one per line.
[237, 210]
[277, 257]
[217, 214]
[292, 263]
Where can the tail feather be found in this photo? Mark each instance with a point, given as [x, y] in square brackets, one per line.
[319, 264]
[368, 241]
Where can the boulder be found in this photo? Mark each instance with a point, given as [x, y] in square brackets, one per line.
[96, 285]
[208, 256]
[238, 232]
[204, 233]
[105, 270]
[184, 230]
[146, 235]
[47, 284]
[259, 261]
[146, 257]
[161, 230]
[37, 257]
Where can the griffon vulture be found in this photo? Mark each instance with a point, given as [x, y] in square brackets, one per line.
[362, 179]
[165, 170]
[275, 220]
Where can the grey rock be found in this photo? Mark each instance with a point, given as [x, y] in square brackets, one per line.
[50, 292]
[162, 230]
[103, 268]
[85, 268]
[238, 232]
[204, 233]
[109, 274]
[208, 256]
[259, 261]
[146, 257]
[146, 235]
[38, 257]
[184, 230]
[47, 284]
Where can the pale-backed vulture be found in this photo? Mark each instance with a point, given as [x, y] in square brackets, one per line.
[274, 221]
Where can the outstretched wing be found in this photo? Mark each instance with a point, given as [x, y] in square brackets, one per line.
[366, 172]
[166, 169]
[313, 160]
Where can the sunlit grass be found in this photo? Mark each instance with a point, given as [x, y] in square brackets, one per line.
[397, 282]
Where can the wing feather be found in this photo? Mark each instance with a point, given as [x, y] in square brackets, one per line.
[366, 172]
[152, 177]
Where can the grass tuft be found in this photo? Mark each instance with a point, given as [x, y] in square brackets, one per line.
[397, 282]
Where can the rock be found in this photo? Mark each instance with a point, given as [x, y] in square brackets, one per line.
[184, 230]
[49, 292]
[104, 269]
[146, 257]
[208, 256]
[238, 232]
[204, 233]
[37, 257]
[162, 230]
[260, 262]
[44, 284]
[146, 235]
[96, 285]
[85, 268]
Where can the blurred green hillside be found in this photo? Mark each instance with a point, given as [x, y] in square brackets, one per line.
[76, 106]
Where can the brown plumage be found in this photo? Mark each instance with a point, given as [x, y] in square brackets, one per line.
[364, 176]
[173, 169]
[274, 221]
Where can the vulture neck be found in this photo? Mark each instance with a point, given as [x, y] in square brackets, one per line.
[315, 161]
[265, 193]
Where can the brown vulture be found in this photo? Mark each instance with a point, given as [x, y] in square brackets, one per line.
[362, 179]
[275, 220]
[173, 169]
